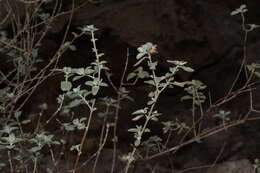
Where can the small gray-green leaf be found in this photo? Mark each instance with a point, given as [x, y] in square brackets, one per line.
[187, 69]
[139, 62]
[103, 84]
[137, 117]
[153, 65]
[137, 143]
[150, 82]
[72, 48]
[80, 71]
[257, 74]
[95, 90]
[90, 83]
[74, 103]
[133, 130]
[143, 74]
[176, 62]
[130, 76]
[235, 12]
[65, 85]
[187, 97]
[140, 111]
[77, 78]
[140, 55]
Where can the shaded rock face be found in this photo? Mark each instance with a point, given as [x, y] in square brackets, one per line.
[189, 30]
[240, 166]
[200, 32]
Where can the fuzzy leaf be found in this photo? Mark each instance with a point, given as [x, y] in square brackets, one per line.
[137, 117]
[140, 55]
[186, 98]
[72, 48]
[257, 74]
[130, 76]
[74, 103]
[150, 82]
[95, 90]
[187, 69]
[140, 111]
[143, 74]
[139, 62]
[65, 85]
[153, 65]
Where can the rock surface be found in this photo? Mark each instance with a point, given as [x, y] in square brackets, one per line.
[240, 166]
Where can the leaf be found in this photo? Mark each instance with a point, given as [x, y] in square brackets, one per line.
[235, 12]
[103, 84]
[90, 83]
[241, 9]
[257, 66]
[35, 53]
[11, 139]
[257, 74]
[173, 70]
[35, 149]
[143, 74]
[130, 76]
[100, 55]
[17, 114]
[68, 127]
[252, 27]
[137, 142]
[43, 106]
[8, 129]
[80, 71]
[145, 48]
[66, 44]
[72, 48]
[88, 71]
[65, 85]
[150, 102]
[139, 62]
[154, 119]
[67, 70]
[74, 103]
[140, 49]
[88, 28]
[133, 130]
[147, 130]
[158, 79]
[250, 67]
[95, 90]
[180, 84]
[140, 55]
[140, 111]
[153, 65]
[187, 69]
[129, 98]
[75, 147]
[150, 82]
[186, 98]
[77, 78]
[137, 117]
[178, 63]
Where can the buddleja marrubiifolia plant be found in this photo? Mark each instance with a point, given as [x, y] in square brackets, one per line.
[159, 84]
[83, 94]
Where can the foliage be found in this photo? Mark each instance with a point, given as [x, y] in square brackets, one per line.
[80, 90]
